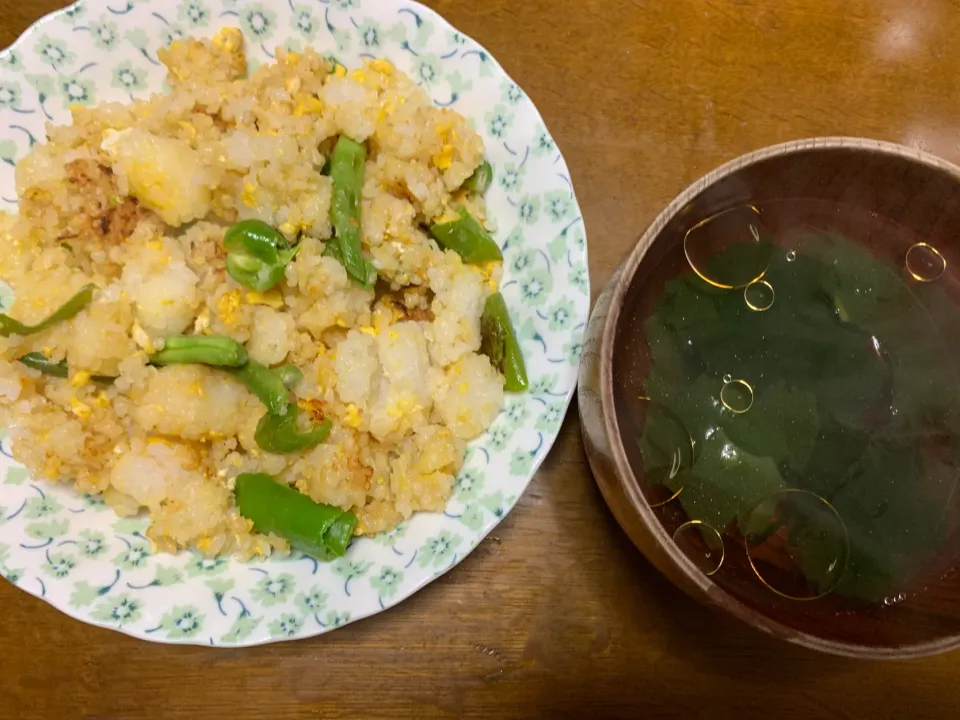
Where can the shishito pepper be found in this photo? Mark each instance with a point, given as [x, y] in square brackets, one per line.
[39, 361]
[321, 531]
[499, 342]
[346, 175]
[213, 350]
[266, 384]
[480, 180]
[278, 433]
[290, 375]
[466, 236]
[9, 326]
[257, 254]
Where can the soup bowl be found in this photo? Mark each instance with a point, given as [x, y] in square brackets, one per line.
[894, 201]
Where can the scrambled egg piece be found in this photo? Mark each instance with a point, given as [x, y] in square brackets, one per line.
[272, 298]
[353, 417]
[444, 159]
[78, 408]
[249, 195]
[227, 306]
[487, 270]
[307, 105]
[381, 66]
[228, 39]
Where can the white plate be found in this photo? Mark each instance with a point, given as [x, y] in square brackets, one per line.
[73, 552]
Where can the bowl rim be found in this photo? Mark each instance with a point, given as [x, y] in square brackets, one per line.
[625, 475]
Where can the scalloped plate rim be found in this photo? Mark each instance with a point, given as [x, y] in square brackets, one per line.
[473, 541]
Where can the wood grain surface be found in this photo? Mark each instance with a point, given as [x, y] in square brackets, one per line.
[556, 615]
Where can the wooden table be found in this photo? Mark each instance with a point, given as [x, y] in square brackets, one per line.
[557, 615]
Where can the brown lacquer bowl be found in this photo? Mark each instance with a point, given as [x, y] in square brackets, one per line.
[891, 199]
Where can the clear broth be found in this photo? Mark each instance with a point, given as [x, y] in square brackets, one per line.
[815, 476]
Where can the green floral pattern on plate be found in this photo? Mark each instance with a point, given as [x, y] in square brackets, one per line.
[69, 549]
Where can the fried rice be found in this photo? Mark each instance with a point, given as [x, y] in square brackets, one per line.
[135, 198]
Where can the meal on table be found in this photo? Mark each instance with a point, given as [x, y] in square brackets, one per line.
[263, 309]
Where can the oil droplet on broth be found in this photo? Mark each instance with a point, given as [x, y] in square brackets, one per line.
[736, 395]
[797, 544]
[924, 262]
[791, 255]
[729, 250]
[759, 295]
[668, 452]
[702, 544]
